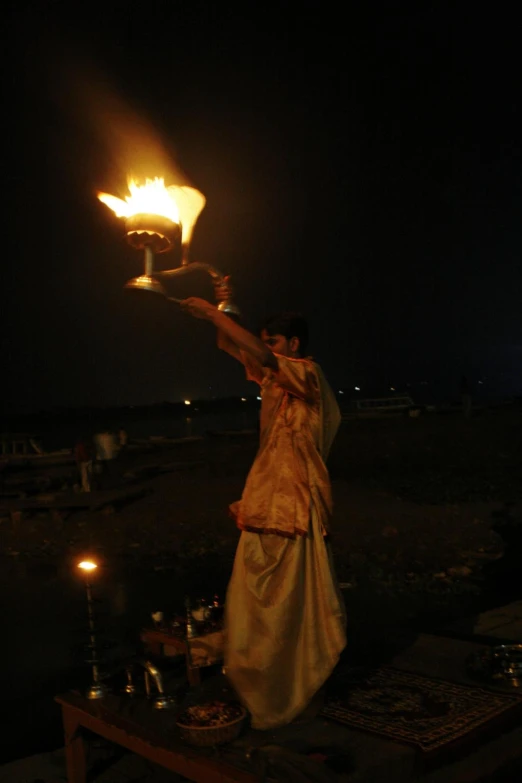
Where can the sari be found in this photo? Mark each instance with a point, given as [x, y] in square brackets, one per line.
[285, 623]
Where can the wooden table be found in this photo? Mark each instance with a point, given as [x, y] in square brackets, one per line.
[200, 651]
[161, 747]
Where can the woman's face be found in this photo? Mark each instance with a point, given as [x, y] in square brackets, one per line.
[280, 344]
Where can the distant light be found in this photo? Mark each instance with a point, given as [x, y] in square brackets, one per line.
[357, 388]
[392, 388]
[481, 382]
[341, 391]
[258, 398]
[87, 565]
[243, 399]
[187, 402]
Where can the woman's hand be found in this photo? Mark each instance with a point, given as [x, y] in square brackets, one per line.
[223, 289]
[199, 308]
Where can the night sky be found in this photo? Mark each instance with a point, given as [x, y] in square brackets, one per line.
[364, 169]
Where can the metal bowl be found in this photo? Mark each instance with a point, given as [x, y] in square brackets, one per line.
[500, 664]
[154, 231]
[208, 736]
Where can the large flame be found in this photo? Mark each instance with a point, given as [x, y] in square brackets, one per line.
[179, 203]
[152, 198]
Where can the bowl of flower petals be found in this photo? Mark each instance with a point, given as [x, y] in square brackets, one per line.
[212, 723]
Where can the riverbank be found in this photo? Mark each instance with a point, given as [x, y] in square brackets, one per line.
[423, 510]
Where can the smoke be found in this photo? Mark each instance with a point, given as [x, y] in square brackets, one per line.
[125, 142]
[128, 141]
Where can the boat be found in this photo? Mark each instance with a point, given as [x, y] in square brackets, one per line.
[25, 450]
[375, 407]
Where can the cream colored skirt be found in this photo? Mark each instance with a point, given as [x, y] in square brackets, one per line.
[285, 623]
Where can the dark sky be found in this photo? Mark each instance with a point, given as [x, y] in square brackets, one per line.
[364, 170]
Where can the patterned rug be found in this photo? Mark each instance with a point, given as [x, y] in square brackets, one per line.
[426, 713]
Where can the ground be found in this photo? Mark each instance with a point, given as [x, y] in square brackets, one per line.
[419, 505]
[427, 528]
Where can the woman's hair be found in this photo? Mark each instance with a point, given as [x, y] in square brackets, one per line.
[289, 325]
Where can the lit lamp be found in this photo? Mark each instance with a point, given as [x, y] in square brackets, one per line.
[160, 219]
[97, 689]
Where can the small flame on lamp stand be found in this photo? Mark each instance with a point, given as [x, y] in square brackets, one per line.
[97, 689]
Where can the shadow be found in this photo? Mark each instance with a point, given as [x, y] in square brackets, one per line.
[377, 628]
[365, 654]
[502, 577]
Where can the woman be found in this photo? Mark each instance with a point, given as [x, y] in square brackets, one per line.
[284, 614]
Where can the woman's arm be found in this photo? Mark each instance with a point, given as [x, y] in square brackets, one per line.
[231, 332]
[224, 343]
[223, 293]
